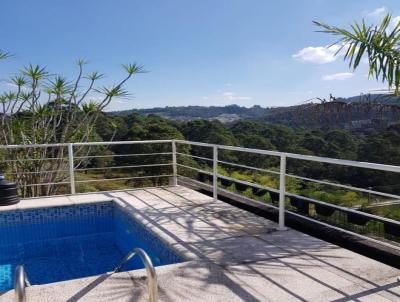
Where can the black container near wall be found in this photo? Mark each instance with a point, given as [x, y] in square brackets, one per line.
[8, 192]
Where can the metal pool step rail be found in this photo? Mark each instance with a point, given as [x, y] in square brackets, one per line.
[21, 281]
[151, 272]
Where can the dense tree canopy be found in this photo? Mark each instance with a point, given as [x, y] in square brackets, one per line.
[380, 146]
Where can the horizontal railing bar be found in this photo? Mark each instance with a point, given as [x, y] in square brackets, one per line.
[194, 156]
[47, 184]
[344, 186]
[196, 169]
[342, 162]
[250, 150]
[160, 141]
[34, 159]
[34, 172]
[122, 178]
[85, 144]
[248, 167]
[124, 155]
[194, 143]
[123, 167]
[83, 157]
[33, 146]
[232, 148]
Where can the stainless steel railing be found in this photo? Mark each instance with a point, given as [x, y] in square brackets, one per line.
[176, 150]
[69, 163]
[21, 281]
[151, 272]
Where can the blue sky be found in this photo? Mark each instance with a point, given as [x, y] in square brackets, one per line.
[209, 52]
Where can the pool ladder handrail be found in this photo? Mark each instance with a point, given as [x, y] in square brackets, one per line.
[21, 281]
[151, 272]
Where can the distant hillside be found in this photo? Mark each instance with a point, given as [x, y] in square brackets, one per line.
[199, 112]
[364, 114]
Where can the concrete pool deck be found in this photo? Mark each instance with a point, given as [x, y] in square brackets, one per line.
[232, 255]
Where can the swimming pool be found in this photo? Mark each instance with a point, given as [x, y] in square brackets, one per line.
[67, 242]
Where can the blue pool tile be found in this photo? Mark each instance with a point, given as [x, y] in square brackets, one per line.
[62, 243]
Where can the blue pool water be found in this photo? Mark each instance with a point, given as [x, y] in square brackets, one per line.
[62, 243]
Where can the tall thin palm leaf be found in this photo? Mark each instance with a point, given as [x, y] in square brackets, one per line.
[380, 44]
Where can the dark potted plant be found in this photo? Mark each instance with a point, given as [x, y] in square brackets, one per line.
[357, 218]
[203, 177]
[323, 209]
[274, 196]
[391, 228]
[226, 182]
[300, 204]
[241, 187]
[258, 192]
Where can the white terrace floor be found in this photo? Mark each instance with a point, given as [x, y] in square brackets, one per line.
[232, 256]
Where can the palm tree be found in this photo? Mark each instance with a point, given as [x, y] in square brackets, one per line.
[379, 43]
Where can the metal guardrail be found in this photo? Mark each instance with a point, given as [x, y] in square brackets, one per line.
[214, 162]
[72, 168]
[20, 283]
[283, 156]
[151, 272]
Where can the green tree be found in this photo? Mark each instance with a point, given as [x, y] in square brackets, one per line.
[49, 109]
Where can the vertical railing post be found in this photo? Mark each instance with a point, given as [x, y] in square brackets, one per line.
[71, 167]
[215, 173]
[174, 166]
[282, 193]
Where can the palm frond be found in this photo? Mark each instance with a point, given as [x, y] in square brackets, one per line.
[114, 91]
[94, 76]
[59, 86]
[133, 68]
[35, 73]
[90, 107]
[4, 55]
[380, 44]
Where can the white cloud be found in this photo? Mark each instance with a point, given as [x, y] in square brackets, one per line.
[232, 96]
[377, 15]
[318, 55]
[378, 12]
[338, 76]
